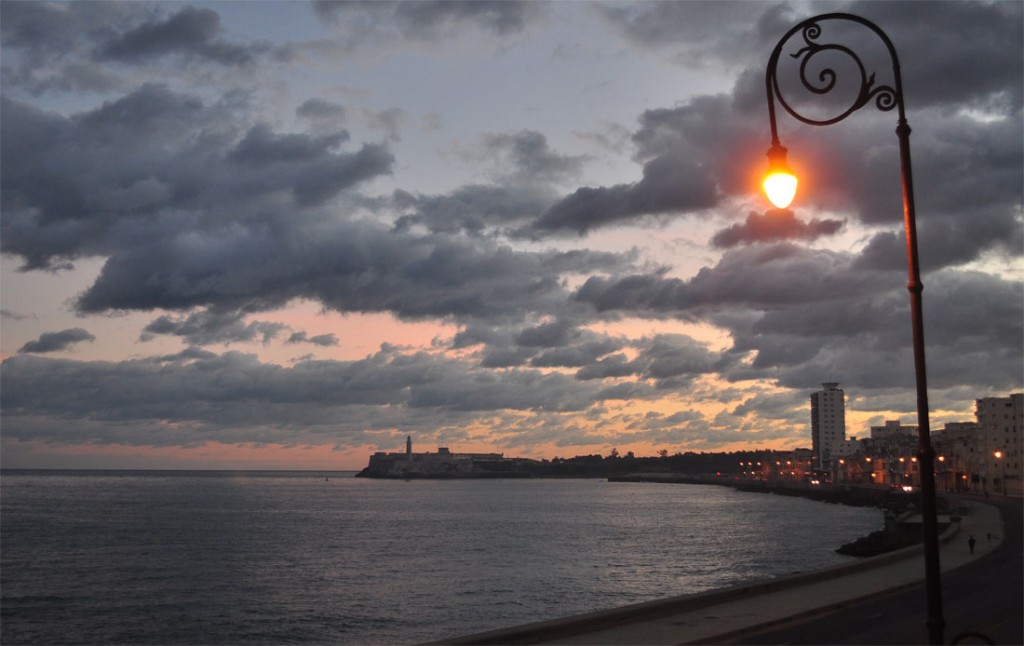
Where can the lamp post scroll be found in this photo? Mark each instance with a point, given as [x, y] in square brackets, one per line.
[885, 98]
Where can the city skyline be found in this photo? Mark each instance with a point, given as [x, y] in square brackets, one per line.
[288, 235]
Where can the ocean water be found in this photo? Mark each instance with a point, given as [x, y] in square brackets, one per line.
[302, 557]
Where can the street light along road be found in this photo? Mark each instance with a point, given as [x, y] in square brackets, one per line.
[781, 185]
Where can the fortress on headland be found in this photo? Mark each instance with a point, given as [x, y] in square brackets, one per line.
[444, 464]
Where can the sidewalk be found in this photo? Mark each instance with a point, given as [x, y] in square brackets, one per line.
[720, 615]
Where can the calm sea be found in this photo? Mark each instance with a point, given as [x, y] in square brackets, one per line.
[300, 557]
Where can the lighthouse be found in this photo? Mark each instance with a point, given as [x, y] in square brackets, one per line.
[408, 448]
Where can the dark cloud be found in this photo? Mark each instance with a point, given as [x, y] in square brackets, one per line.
[307, 165]
[973, 330]
[188, 354]
[208, 327]
[627, 391]
[518, 390]
[802, 317]
[696, 34]
[666, 360]
[761, 276]
[70, 47]
[325, 340]
[616, 365]
[190, 31]
[428, 20]
[691, 154]
[554, 344]
[557, 343]
[261, 146]
[499, 356]
[669, 184]
[321, 110]
[576, 355]
[196, 396]
[984, 69]
[57, 341]
[152, 163]
[38, 26]
[474, 208]
[886, 251]
[672, 356]
[183, 235]
[977, 72]
[48, 46]
[533, 160]
[346, 266]
[553, 334]
[524, 167]
[774, 225]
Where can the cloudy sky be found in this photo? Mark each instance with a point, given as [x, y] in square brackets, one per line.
[285, 235]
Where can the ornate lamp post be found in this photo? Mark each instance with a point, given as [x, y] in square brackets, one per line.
[781, 188]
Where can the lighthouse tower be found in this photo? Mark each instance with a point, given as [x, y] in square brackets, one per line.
[408, 448]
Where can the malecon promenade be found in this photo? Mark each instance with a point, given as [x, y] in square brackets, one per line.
[827, 607]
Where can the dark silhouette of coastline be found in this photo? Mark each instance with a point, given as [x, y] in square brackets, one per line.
[711, 465]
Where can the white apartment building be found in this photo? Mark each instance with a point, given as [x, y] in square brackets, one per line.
[828, 423]
[1000, 427]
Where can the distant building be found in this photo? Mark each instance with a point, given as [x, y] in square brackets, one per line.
[828, 423]
[443, 464]
[894, 438]
[958, 452]
[891, 429]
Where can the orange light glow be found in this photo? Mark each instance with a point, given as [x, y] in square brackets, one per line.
[780, 183]
[780, 187]
[998, 454]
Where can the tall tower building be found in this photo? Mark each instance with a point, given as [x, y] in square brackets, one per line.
[828, 423]
[1000, 428]
[408, 448]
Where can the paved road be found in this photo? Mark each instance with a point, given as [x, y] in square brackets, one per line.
[985, 597]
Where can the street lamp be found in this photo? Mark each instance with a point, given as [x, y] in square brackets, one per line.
[1002, 469]
[885, 98]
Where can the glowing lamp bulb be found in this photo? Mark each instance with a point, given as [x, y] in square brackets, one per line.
[780, 184]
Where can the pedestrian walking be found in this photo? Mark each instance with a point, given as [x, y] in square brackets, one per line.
[970, 543]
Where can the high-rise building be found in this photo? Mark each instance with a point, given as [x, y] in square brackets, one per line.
[828, 423]
[1000, 427]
